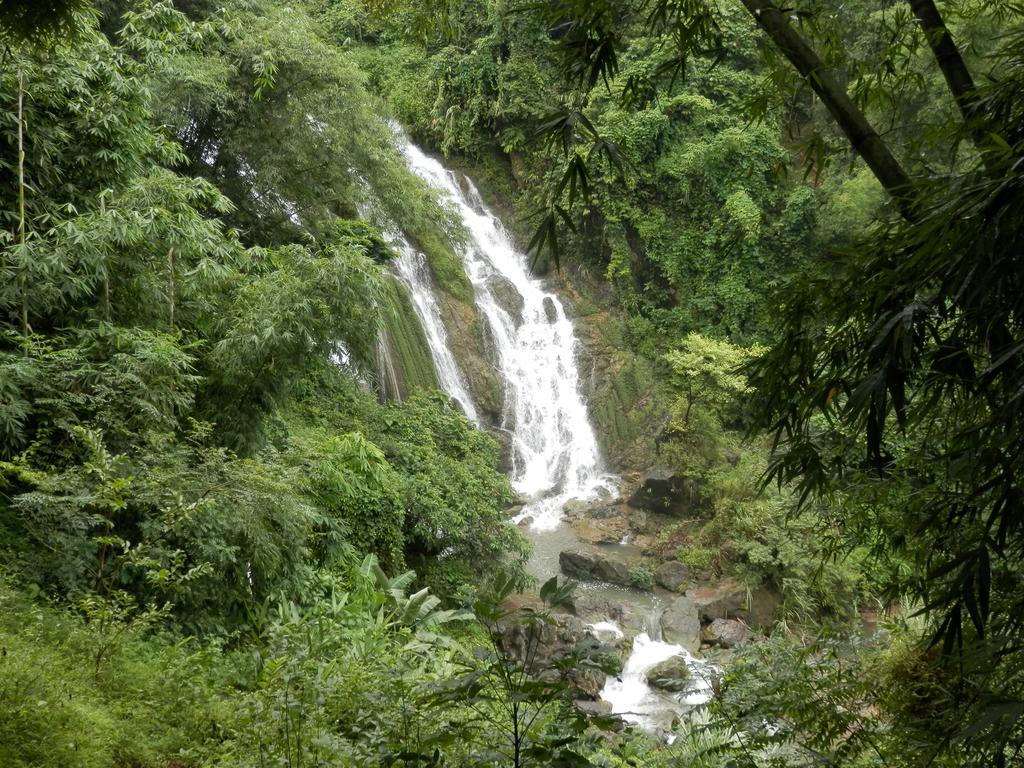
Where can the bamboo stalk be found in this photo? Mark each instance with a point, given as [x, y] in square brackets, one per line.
[23, 277]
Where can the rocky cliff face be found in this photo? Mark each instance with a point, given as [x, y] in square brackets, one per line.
[471, 346]
[627, 402]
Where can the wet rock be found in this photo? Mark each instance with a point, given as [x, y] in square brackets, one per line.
[575, 509]
[504, 440]
[550, 310]
[584, 564]
[728, 633]
[468, 337]
[507, 296]
[670, 675]
[596, 509]
[513, 510]
[548, 640]
[672, 575]
[663, 490]
[593, 708]
[612, 640]
[600, 531]
[593, 609]
[680, 624]
[606, 510]
[588, 681]
[726, 599]
[526, 522]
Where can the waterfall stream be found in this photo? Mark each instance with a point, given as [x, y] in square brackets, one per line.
[555, 457]
[413, 270]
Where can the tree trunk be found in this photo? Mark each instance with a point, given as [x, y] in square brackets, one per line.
[171, 298]
[106, 268]
[948, 57]
[23, 276]
[851, 120]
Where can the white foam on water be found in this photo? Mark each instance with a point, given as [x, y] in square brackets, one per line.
[635, 701]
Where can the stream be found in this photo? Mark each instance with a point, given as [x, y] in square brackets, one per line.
[555, 454]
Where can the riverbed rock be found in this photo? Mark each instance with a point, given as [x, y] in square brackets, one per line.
[588, 681]
[725, 599]
[680, 624]
[593, 708]
[574, 509]
[592, 564]
[670, 675]
[594, 608]
[594, 509]
[669, 492]
[540, 642]
[507, 296]
[609, 530]
[672, 575]
[728, 633]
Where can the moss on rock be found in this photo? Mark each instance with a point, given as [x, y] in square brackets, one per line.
[406, 342]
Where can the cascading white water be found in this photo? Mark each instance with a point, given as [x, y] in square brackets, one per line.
[635, 701]
[411, 267]
[555, 453]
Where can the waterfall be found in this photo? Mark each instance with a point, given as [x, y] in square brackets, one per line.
[412, 269]
[555, 456]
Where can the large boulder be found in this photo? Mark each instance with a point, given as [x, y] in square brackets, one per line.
[507, 297]
[663, 490]
[591, 564]
[541, 643]
[578, 509]
[588, 681]
[670, 675]
[728, 633]
[595, 609]
[680, 624]
[607, 530]
[593, 708]
[672, 575]
[725, 599]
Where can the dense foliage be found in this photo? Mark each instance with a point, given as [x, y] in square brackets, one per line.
[202, 497]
